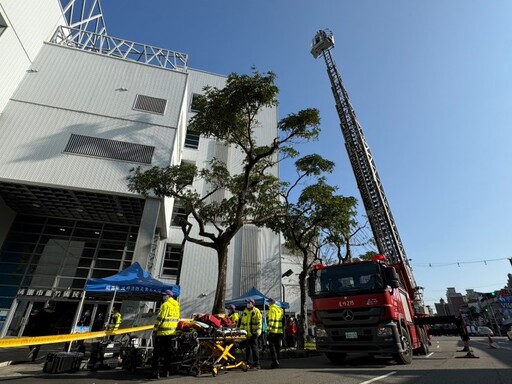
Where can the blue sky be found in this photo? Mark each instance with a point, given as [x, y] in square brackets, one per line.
[430, 82]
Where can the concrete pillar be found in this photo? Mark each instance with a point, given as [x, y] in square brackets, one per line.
[146, 233]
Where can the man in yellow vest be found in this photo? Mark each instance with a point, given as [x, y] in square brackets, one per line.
[252, 323]
[233, 315]
[114, 321]
[275, 332]
[164, 331]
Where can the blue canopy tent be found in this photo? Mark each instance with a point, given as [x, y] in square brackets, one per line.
[132, 283]
[259, 298]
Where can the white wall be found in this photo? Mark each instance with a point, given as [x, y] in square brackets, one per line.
[75, 92]
[30, 23]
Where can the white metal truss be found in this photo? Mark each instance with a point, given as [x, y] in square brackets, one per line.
[84, 14]
[120, 48]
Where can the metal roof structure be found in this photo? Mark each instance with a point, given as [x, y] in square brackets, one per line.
[86, 30]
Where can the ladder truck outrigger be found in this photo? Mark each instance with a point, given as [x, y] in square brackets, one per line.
[375, 306]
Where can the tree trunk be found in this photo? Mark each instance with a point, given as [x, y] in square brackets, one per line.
[222, 258]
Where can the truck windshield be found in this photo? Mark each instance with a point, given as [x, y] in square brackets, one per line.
[344, 278]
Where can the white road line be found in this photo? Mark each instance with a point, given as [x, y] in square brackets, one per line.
[378, 378]
[424, 357]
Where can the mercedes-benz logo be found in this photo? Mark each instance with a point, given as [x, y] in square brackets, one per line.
[348, 315]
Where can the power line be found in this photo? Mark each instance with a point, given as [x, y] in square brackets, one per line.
[459, 263]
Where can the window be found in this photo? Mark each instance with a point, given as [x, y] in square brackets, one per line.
[193, 103]
[190, 176]
[3, 24]
[178, 213]
[172, 260]
[192, 139]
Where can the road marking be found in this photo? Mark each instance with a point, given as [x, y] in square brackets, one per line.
[424, 357]
[378, 378]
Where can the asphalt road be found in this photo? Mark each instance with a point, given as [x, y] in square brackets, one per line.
[443, 365]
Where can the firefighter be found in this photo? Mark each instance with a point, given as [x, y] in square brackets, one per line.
[275, 332]
[252, 324]
[233, 315]
[164, 332]
[114, 321]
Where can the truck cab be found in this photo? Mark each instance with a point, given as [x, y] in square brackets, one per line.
[362, 308]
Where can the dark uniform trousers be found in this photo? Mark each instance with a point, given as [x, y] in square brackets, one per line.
[163, 350]
[274, 344]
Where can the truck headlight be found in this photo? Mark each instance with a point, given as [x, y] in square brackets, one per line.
[320, 332]
[384, 331]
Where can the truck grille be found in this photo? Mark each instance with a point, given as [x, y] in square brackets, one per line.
[348, 317]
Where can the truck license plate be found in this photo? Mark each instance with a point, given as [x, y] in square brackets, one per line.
[351, 335]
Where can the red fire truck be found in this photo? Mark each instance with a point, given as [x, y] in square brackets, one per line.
[372, 307]
[363, 307]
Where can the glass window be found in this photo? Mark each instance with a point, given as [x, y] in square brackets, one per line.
[191, 179]
[178, 213]
[193, 103]
[109, 254]
[192, 139]
[172, 261]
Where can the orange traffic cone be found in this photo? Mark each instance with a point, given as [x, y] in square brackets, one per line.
[492, 344]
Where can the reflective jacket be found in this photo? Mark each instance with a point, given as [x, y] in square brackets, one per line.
[235, 318]
[168, 316]
[115, 321]
[251, 321]
[275, 319]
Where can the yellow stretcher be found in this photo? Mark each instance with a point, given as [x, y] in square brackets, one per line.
[217, 353]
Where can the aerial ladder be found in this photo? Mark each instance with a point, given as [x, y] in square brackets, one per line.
[368, 181]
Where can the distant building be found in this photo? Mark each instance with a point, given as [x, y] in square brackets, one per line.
[442, 308]
[455, 300]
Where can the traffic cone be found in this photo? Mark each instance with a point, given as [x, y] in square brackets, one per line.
[469, 350]
[492, 344]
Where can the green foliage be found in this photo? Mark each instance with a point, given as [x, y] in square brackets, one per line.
[366, 256]
[252, 196]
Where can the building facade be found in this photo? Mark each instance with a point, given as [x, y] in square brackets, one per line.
[78, 110]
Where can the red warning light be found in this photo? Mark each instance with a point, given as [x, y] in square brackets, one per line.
[379, 258]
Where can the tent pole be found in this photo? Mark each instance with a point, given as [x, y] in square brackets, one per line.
[111, 305]
[77, 317]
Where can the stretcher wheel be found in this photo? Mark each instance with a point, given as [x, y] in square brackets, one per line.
[215, 371]
[245, 368]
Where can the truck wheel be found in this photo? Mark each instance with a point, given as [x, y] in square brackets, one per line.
[404, 357]
[336, 358]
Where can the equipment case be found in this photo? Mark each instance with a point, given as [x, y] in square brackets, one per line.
[60, 362]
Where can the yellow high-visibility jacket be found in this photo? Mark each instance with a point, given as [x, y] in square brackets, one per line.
[167, 320]
[275, 319]
[115, 321]
[235, 318]
[252, 321]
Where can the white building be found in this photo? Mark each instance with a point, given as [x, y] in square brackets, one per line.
[78, 110]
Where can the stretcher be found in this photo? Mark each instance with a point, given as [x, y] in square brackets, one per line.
[197, 348]
[214, 348]
[217, 353]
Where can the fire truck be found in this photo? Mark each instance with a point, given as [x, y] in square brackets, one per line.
[373, 307]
